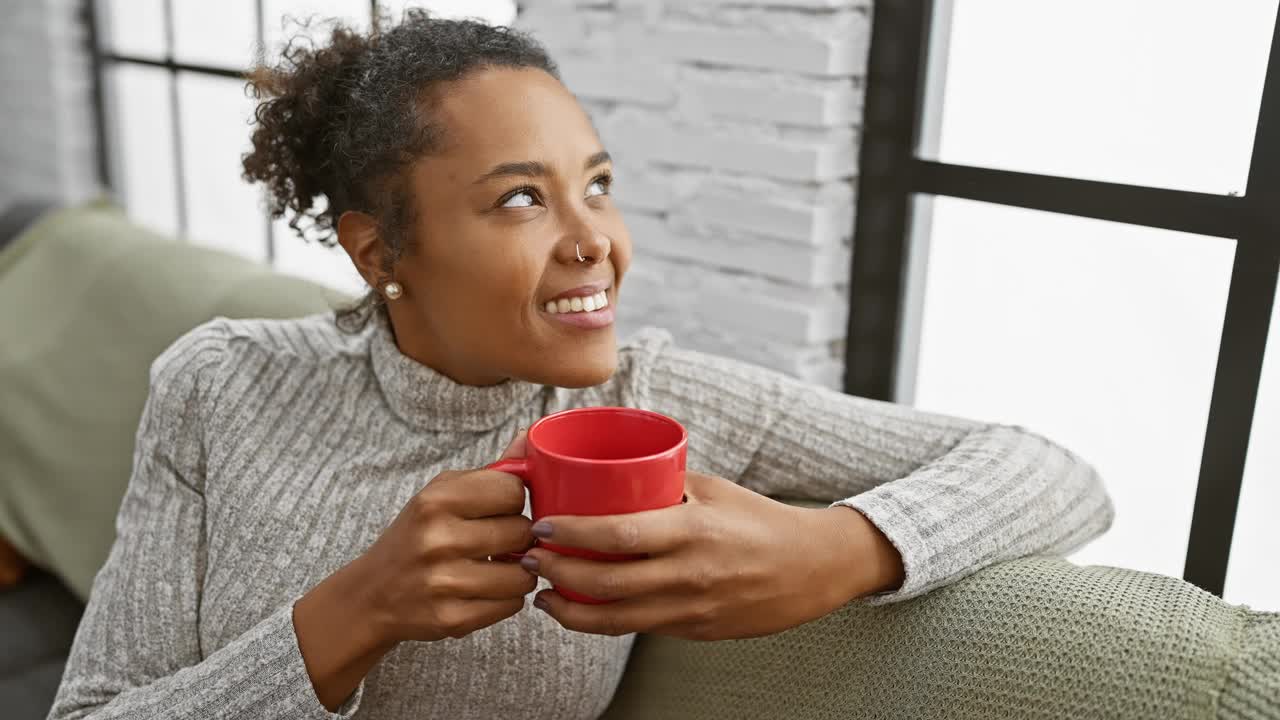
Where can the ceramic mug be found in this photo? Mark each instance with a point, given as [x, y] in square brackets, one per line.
[600, 461]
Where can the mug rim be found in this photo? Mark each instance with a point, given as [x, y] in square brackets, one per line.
[682, 442]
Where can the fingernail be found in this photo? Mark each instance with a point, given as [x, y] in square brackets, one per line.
[541, 529]
[540, 603]
[530, 563]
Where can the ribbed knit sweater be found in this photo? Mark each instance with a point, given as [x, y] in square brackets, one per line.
[271, 453]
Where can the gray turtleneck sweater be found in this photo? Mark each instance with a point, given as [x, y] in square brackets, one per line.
[271, 453]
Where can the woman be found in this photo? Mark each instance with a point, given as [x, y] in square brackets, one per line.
[303, 532]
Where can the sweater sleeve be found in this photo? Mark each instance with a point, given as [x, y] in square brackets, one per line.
[952, 495]
[137, 652]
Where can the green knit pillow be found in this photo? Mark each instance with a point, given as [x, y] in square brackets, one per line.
[87, 301]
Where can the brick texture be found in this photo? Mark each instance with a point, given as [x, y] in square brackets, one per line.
[734, 127]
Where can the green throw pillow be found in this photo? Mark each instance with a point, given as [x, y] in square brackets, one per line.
[87, 301]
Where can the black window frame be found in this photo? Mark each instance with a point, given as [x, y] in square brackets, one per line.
[892, 176]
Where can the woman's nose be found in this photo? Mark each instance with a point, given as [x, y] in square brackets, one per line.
[587, 246]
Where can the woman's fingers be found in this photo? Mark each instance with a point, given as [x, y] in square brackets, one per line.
[651, 531]
[606, 580]
[642, 614]
[485, 537]
[471, 494]
[484, 580]
[462, 617]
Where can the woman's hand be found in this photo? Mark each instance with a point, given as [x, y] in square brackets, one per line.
[427, 577]
[430, 576]
[729, 563]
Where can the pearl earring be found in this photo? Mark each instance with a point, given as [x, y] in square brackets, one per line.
[392, 290]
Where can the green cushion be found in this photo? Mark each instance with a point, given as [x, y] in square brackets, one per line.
[87, 301]
[1035, 638]
[1253, 682]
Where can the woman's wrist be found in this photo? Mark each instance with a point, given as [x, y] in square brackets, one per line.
[372, 624]
[339, 634]
[863, 554]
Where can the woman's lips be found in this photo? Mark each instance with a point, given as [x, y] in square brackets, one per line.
[589, 311]
[582, 291]
[593, 320]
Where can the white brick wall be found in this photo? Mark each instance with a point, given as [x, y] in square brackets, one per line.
[47, 139]
[734, 127]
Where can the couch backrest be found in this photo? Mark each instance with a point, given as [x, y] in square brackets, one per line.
[1034, 638]
[87, 301]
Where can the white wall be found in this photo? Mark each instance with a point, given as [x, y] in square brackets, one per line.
[734, 130]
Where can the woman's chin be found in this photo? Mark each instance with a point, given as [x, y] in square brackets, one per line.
[582, 371]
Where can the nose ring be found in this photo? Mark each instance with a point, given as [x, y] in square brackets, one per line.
[578, 252]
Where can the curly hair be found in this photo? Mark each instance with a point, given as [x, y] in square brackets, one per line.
[342, 120]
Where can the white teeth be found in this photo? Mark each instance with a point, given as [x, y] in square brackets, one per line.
[590, 303]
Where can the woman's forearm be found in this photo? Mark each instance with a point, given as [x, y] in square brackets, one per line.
[338, 635]
[1001, 493]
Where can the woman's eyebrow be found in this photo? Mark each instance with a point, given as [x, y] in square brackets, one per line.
[527, 168]
[533, 168]
[599, 158]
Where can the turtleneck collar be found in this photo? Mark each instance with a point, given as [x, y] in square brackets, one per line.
[427, 399]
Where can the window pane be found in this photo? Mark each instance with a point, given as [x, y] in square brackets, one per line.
[1251, 576]
[221, 34]
[1101, 336]
[493, 12]
[133, 27]
[287, 19]
[1148, 92]
[311, 260]
[142, 144]
[222, 210]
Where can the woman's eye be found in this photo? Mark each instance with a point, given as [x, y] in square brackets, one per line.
[524, 198]
[599, 186]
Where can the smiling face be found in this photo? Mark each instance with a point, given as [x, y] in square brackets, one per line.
[493, 285]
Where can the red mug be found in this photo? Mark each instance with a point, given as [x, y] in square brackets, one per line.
[600, 461]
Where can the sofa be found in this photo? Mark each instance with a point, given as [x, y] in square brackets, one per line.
[1034, 638]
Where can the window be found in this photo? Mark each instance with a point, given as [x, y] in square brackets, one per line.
[176, 115]
[1145, 92]
[1022, 324]
[1066, 221]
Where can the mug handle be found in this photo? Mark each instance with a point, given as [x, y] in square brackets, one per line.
[520, 468]
[515, 466]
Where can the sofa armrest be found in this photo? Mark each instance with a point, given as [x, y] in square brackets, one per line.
[1038, 637]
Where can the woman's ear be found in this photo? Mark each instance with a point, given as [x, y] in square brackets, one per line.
[358, 235]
